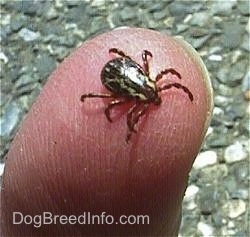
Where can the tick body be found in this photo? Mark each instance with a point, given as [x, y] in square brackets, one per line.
[128, 81]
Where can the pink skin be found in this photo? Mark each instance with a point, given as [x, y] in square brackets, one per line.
[68, 159]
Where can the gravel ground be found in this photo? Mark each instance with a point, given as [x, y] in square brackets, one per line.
[216, 201]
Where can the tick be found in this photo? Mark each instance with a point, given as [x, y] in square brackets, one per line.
[129, 81]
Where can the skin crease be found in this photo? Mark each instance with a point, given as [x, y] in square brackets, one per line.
[68, 159]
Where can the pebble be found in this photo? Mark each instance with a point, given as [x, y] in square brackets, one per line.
[17, 22]
[218, 219]
[160, 15]
[45, 65]
[178, 9]
[28, 35]
[24, 80]
[199, 42]
[235, 152]
[241, 171]
[51, 14]
[210, 197]
[156, 7]
[235, 110]
[204, 159]
[199, 19]
[233, 32]
[225, 90]
[190, 196]
[215, 57]
[205, 229]
[248, 26]
[1, 169]
[245, 85]
[3, 58]
[237, 72]
[1, 172]
[10, 119]
[127, 14]
[223, 8]
[245, 43]
[235, 208]
[244, 7]
[133, 3]
[222, 101]
[234, 76]
[245, 126]
[219, 139]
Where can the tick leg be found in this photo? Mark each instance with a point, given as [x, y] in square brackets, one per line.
[136, 118]
[118, 52]
[110, 106]
[145, 55]
[130, 116]
[179, 86]
[167, 71]
[97, 95]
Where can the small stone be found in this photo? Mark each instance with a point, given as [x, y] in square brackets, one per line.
[132, 3]
[240, 194]
[156, 7]
[236, 208]
[222, 101]
[159, 15]
[244, 7]
[128, 14]
[234, 76]
[236, 110]
[5, 33]
[245, 43]
[10, 119]
[233, 32]
[209, 131]
[72, 3]
[45, 65]
[24, 80]
[237, 72]
[215, 57]
[245, 85]
[248, 27]
[1, 173]
[225, 90]
[178, 9]
[210, 197]
[52, 13]
[204, 159]
[230, 184]
[200, 19]
[247, 95]
[235, 152]
[218, 219]
[191, 191]
[205, 229]
[199, 42]
[17, 22]
[190, 196]
[218, 140]
[28, 35]
[3, 57]
[4, 98]
[1, 169]
[181, 28]
[223, 8]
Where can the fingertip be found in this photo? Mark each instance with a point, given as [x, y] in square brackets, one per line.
[70, 147]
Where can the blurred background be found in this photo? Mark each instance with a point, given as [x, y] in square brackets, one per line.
[35, 36]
